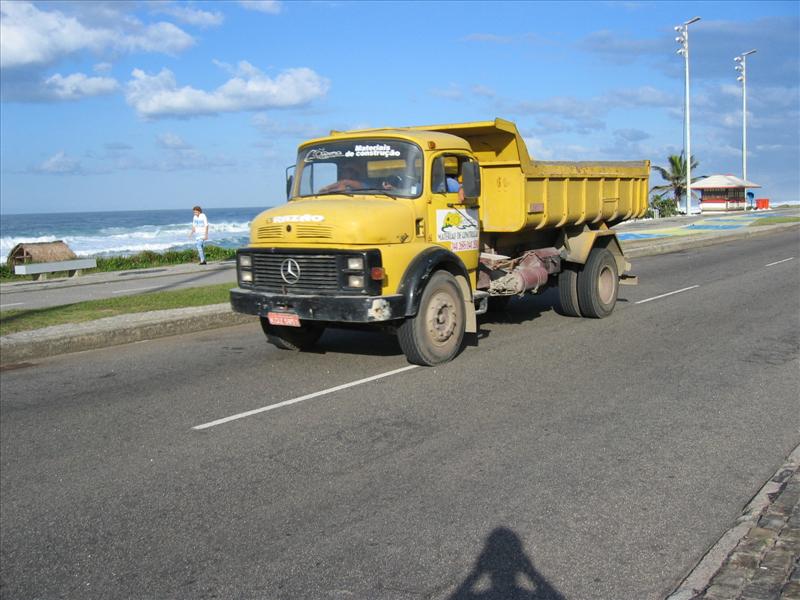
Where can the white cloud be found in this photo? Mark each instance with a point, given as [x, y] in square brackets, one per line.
[160, 37]
[537, 149]
[191, 16]
[103, 67]
[172, 141]
[59, 164]
[30, 37]
[77, 86]
[272, 7]
[157, 96]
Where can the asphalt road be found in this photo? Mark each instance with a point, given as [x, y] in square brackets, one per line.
[560, 458]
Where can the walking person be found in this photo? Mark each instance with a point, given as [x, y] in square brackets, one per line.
[200, 232]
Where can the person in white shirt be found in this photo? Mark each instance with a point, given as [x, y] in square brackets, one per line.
[200, 232]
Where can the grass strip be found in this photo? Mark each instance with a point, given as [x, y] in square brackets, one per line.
[143, 260]
[774, 221]
[13, 321]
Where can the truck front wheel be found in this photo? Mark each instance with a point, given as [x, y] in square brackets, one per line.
[292, 338]
[598, 284]
[434, 335]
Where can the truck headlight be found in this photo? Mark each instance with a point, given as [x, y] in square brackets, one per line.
[245, 260]
[355, 264]
[355, 281]
[246, 276]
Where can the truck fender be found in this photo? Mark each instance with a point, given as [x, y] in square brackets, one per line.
[577, 243]
[611, 242]
[419, 272]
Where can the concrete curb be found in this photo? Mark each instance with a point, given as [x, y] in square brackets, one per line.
[702, 574]
[113, 331]
[124, 329]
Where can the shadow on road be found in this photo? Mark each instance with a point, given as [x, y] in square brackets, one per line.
[504, 572]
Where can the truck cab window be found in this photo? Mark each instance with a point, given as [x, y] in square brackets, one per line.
[446, 174]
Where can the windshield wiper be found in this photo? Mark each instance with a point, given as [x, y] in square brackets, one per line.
[333, 193]
[379, 190]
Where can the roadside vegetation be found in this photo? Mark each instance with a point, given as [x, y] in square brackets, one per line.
[12, 321]
[142, 260]
[774, 221]
[662, 206]
[675, 177]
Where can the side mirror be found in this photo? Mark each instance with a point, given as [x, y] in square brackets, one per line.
[471, 180]
[289, 180]
[289, 183]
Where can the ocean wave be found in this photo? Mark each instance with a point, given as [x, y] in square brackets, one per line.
[124, 233]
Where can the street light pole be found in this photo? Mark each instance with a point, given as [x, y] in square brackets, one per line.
[683, 40]
[741, 66]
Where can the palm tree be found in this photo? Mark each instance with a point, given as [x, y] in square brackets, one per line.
[675, 176]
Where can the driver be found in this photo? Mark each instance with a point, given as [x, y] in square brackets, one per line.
[348, 180]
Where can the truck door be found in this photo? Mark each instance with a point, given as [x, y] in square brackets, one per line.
[453, 219]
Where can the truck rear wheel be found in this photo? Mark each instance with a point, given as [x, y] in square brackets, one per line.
[568, 292]
[292, 338]
[598, 284]
[435, 334]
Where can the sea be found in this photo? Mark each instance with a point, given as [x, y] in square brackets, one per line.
[123, 233]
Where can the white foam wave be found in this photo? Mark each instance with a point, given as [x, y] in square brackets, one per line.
[121, 241]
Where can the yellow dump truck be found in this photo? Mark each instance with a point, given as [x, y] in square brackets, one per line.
[417, 229]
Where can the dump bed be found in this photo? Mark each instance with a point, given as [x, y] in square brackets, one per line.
[520, 193]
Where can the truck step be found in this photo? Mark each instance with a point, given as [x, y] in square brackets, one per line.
[481, 299]
[628, 280]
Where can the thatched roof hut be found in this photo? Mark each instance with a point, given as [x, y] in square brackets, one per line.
[39, 252]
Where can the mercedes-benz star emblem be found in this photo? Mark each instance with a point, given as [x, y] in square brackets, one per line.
[290, 271]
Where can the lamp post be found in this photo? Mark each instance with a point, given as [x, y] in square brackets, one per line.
[741, 67]
[683, 40]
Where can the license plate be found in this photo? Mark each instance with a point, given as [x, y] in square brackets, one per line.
[283, 318]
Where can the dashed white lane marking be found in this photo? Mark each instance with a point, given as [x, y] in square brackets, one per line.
[777, 262]
[667, 294]
[344, 386]
[12, 304]
[135, 290]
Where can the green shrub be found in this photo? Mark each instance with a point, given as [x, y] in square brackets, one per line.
[663, 205]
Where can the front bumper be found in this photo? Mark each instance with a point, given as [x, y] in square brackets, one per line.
[336, 309]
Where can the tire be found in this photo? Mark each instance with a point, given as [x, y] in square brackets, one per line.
[568, 292]
[435, 334]
[292, 338]
[598, 284]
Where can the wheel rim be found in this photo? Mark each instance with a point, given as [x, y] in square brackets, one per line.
[441, 318]
[606, 285]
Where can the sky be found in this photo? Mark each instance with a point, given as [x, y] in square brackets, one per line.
[148, 105]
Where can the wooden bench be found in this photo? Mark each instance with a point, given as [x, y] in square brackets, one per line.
[70, 266]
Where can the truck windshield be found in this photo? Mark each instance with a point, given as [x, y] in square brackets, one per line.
[363, 166]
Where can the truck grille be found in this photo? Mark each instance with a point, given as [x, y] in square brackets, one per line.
[277, 232]
[319, 273]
